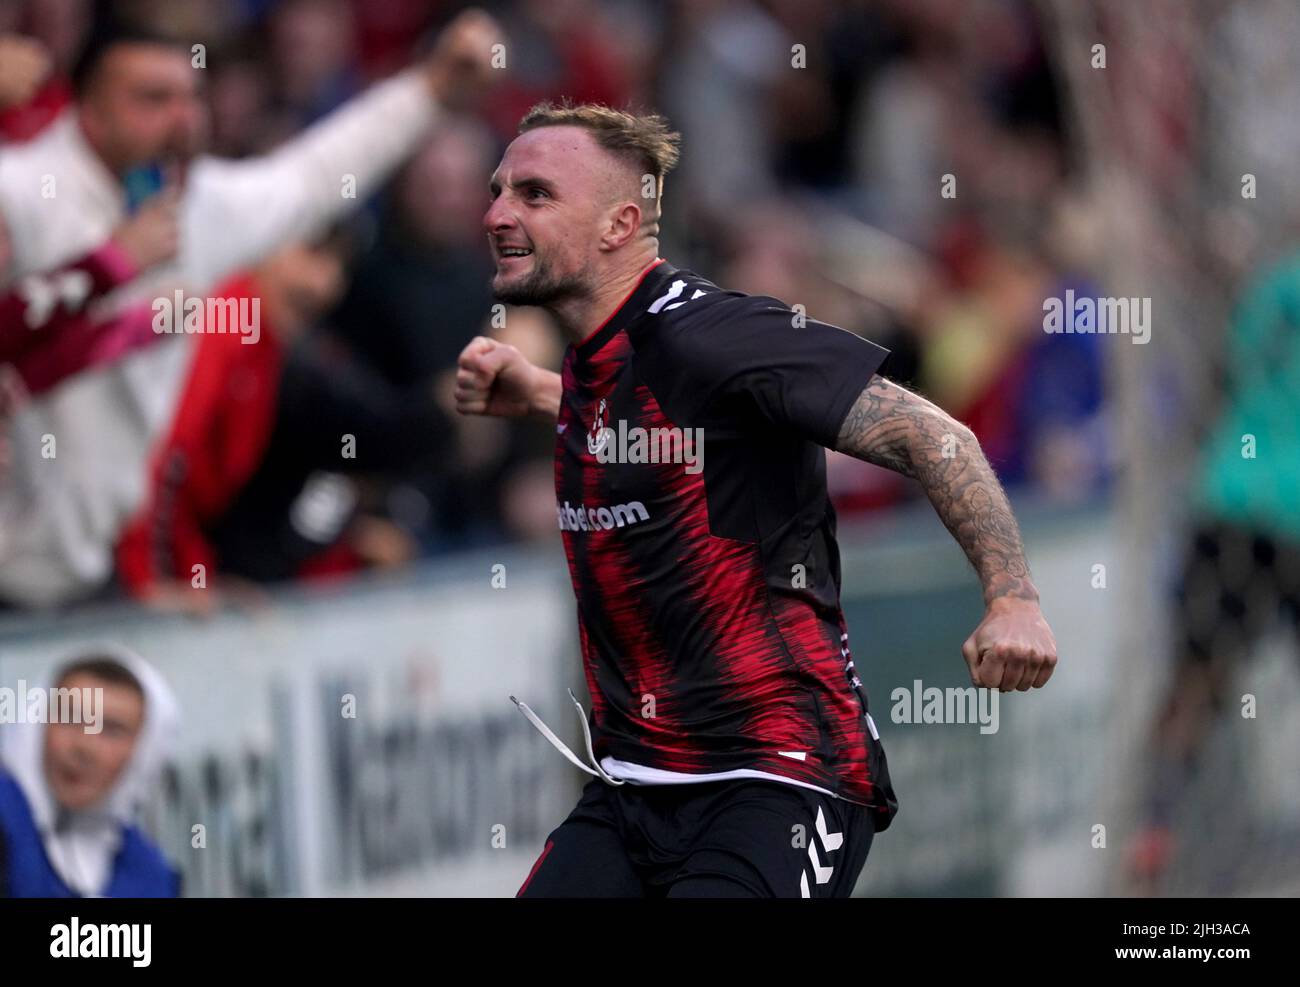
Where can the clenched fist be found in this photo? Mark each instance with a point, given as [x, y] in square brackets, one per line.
[460, 65]
[494, 378]
[1012, 648]
[24, 64]
[152, 235]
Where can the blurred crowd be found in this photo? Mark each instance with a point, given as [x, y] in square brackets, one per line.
[896, 168]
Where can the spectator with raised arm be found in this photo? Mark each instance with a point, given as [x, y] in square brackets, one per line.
[137, 114]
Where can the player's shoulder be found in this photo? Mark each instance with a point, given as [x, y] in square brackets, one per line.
[683, 294]
[688, 312]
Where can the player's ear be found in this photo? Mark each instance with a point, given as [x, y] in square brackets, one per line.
[624, 223]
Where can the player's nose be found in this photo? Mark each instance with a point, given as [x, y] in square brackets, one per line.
[498, 218]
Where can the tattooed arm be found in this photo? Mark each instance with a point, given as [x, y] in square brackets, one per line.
[889, 426]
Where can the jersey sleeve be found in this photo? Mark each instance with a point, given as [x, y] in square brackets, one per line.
[43, 306]
[755, 362]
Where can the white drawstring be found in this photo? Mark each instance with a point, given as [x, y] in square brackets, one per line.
[595, 770]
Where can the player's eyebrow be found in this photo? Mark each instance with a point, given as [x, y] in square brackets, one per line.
[527, 182]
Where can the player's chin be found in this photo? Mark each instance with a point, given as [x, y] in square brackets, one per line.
[524, 288]
[509, 274]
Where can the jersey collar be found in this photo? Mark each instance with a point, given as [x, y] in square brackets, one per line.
[637, 301]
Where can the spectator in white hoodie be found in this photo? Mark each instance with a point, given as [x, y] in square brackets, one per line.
[79, 456]
[69, 794]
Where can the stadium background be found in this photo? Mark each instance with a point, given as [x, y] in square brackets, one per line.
[446, 590]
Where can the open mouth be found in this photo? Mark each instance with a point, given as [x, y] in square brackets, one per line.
[72, 778]
[512, 253]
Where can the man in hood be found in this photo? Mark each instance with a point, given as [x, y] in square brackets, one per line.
[69, 791]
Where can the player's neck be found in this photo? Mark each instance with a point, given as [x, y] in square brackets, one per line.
[580, 318]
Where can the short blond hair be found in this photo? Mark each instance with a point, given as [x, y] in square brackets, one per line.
[644, 140]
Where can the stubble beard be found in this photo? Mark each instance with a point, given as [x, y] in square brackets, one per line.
[541, 287]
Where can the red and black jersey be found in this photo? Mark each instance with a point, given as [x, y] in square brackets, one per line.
[691, 492]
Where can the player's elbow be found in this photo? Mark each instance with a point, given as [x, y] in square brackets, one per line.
[961, 434]
[936, 431]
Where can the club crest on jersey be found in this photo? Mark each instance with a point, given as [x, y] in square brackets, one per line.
[599, 435]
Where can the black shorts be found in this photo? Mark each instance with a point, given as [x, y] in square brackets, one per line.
[722, 839]
[1235, 585]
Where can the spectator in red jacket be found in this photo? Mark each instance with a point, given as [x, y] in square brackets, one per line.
[258, 428]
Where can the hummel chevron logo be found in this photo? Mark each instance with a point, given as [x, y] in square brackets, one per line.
[794, 755]
[673, 292]
[830, 841]
[822, 874]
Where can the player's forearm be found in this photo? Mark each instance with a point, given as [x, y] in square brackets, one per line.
[545, 400]
[892, 427]
[969, 499]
